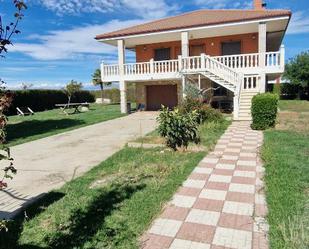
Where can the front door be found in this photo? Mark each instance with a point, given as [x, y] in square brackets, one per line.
[158, 95]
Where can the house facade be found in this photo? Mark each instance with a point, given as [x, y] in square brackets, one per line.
[230, 55]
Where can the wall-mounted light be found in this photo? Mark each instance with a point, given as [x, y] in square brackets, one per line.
[145, 48]
[253, 37]
[212, 44]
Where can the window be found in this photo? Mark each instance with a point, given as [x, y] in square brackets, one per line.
[162, 54]
[229, 48]
[197, 50]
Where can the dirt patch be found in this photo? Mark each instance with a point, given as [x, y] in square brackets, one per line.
[293, 121]
[105, 180]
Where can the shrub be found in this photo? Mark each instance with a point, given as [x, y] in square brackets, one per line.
[209, 114]
[179, 129]
[204, 112]
[264, 111]
[41, 100]
[190, 104]
[277, 89]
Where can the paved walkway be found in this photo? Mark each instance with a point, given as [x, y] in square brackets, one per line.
[50, 162]
[221, 204]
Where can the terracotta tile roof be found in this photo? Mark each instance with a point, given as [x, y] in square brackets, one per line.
[196, 19]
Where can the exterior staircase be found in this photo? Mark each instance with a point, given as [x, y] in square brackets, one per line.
[245, 105]
[220, 81]
[244, 87]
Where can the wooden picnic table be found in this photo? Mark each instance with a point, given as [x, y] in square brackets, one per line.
[76, 106]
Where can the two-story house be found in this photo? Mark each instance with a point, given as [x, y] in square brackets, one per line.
[236, 52]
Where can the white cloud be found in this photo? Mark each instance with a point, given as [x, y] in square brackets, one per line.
[143, 8]
[299, 23]
[66, 44]
[223, 4]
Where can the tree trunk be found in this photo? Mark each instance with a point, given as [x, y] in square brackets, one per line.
[102, 92]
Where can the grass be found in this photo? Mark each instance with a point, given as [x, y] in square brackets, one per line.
[43, 124]
[207, 133]
[111, 205]
[286, 156]
[294, 105]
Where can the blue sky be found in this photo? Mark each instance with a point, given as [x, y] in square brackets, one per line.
[57, 45]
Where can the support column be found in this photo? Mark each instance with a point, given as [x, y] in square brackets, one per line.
[262, 54]
[183, 87]
[122, 84]
[236, 106]
[282, 57]
[185, 44]
[262, 82]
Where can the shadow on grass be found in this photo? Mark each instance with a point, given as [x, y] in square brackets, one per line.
[85, 222]
[10, 239]
[35, 127]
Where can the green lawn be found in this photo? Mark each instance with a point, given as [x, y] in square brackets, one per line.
[286, 156]
[111, 205]
[207, 132]
[294, 105]
[42, 124]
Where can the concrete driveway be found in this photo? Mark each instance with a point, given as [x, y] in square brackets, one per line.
[50, 162]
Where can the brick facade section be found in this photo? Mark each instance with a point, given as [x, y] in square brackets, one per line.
[212, 45]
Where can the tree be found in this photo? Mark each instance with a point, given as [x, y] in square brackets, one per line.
[7, 31]
[72, 88]
[25, 86]
[96, 80]
[6, 34]
[297, 70]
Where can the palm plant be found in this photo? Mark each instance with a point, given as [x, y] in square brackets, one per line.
[96, 80]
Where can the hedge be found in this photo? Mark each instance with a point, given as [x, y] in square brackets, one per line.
[264, 111]
[41, 100]
[114, 94]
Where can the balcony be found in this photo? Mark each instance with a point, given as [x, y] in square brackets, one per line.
[227, 67]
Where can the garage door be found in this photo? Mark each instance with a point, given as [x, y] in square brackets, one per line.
[158, 95]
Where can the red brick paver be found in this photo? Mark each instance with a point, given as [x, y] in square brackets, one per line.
[222, 203]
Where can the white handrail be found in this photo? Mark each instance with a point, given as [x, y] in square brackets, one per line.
[221, 70]
[238, 61]
[226, 67]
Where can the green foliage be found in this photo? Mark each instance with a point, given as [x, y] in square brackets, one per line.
[204, 112]
[209, 114]
[277, 89]
[41, 100]
[192, 91]
[297, 69]
[264, 111]
[178, 128]
[71, 88]
[190, 104]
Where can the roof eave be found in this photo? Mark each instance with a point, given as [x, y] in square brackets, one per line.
[113, 37]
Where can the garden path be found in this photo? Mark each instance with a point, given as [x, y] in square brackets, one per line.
[221, 205]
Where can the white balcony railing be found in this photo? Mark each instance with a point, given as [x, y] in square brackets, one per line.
[226, 67]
